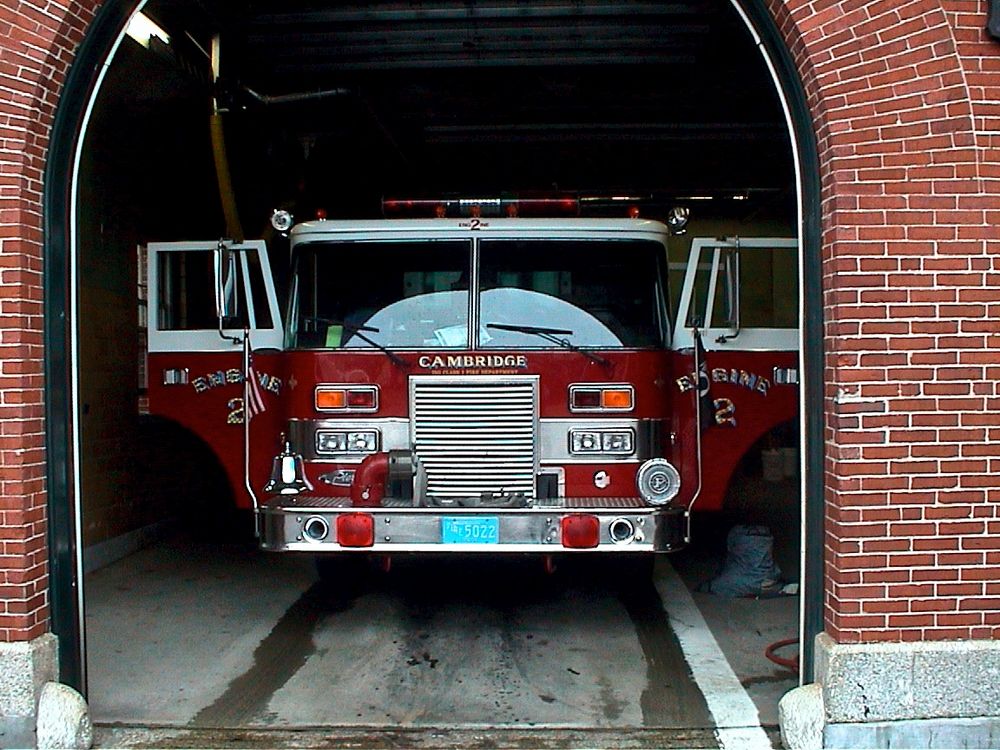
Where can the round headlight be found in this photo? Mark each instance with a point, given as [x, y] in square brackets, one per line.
[658, 481]
[281, 220]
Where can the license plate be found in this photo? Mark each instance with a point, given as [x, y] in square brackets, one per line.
[470, 530]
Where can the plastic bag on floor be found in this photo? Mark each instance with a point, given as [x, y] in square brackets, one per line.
[749, 569]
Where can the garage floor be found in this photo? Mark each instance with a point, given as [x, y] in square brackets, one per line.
[196, 636]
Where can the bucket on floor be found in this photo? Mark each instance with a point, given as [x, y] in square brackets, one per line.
[749, 568]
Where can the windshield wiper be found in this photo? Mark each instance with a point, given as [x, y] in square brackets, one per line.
[358, 330]
[552, 335]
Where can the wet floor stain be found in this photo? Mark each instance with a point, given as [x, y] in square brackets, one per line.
[671, 696]
[275, 660]
[774, 677]
[612, 704]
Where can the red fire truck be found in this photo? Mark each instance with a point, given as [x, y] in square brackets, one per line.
[478, 384]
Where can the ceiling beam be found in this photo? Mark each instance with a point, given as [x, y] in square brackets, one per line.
[465, 12]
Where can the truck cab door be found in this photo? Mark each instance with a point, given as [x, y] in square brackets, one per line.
[742, 296]
[189, 287]
[194, 362]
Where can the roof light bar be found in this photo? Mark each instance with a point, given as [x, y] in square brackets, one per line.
[509, 206]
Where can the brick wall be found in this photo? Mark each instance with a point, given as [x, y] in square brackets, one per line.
[904, 95]
[36, 39]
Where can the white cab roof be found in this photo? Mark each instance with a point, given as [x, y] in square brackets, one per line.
[312, 231]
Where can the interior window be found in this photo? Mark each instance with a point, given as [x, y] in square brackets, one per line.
[186, 292]
[768, 288]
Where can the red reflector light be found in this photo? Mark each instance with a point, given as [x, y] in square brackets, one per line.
[580, 531]
[585, 399]
[355, 530]
[361, 399]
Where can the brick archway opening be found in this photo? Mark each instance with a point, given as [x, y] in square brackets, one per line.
[67, 606]
[898, 228]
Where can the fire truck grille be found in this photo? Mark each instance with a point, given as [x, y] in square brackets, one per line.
[476, 437]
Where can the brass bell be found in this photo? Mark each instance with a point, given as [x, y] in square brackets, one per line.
[288, 474]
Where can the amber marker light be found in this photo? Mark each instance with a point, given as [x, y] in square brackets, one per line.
[330, 398]
[616, 398]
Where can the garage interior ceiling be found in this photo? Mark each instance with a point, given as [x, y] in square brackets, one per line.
[662, 99]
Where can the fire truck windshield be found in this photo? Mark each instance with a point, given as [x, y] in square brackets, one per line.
[603, 294]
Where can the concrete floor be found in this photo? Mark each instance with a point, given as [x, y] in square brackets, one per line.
[744, 628]
[194, 637]
[187, 634]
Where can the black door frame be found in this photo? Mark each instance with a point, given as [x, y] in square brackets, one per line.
[65, 140]
[65, 586]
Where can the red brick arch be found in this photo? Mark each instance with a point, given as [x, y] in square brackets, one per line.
[902, 97]
[37, 40]
[902, 101]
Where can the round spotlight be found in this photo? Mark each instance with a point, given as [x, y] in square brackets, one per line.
[621, 531]
[658, 481]
[281, 220]
[315, 529]
[677, 219]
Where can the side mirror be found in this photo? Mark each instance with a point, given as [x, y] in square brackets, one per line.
[226, 304]
[226, 280]
[731, 273]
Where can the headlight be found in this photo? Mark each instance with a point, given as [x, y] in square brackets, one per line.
[361, 442]
[585, 442]
[658, 481]
[617, 442]
[601, 441]
[330, 442]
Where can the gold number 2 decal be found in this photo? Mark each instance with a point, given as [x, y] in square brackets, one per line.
[725, 411]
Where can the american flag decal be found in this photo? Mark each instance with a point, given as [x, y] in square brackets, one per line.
[253, 399]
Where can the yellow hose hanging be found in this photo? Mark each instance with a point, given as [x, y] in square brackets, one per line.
[234, 230]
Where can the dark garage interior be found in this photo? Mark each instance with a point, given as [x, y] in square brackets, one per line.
[334, 107]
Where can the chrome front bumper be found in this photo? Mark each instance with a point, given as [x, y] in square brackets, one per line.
[283, 523]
